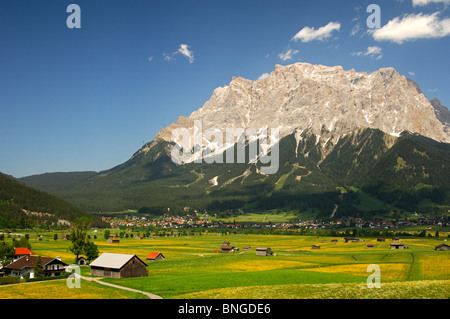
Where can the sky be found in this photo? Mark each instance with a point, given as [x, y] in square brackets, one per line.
[83, 88]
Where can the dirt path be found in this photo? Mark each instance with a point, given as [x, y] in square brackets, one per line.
[98, 280]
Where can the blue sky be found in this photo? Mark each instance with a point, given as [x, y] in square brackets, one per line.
[87, 98]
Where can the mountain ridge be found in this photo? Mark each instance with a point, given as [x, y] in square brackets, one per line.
[301, 96]
[336, 127]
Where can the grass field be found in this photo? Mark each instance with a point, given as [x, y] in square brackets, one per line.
[57, 289]
[193, 269]
[262, 218]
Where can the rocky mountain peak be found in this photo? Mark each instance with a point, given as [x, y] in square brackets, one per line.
[328, 101]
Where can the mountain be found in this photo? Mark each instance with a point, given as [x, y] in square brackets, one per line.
[324, 99]
[365, 142]
[442, 114]
[21, 205]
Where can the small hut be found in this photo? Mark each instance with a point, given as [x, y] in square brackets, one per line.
[263, 251]
[155, 256]
[442, 247]
[112, 240]
[227, 249]
[397, 246]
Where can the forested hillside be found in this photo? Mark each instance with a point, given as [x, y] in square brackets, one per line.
[21, 206]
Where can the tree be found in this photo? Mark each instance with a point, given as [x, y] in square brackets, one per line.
[7, 253]
[78, 235]
[39, 268]
[106, 234]
[23, 242]
[91, 251]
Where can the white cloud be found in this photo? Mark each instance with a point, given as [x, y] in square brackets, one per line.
[412, 27]
[288, 54]
[374, 52]
[355, 29]
[263, 76]
[309, 34]
[416, 3]
[411, 73]
[184, 50]
[432, 90]
[150, 58]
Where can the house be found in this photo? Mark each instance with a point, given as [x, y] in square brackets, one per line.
[442, 247]
[351, 239]
[138, 237]
[247, 248]
[395, 239]
[155, 256]
[118, 266]
[227, 249]
[334, 240]
[369, 246]
[397, 246]
[112, 240]
[263, 251]
[315, 247]
[381, 239]
[26, 265]
[226, 243]
[22, 251]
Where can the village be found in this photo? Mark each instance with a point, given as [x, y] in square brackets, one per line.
[196, 220]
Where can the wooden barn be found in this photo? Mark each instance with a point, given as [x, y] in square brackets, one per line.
[263, 251]
[397, 246]
[351, 239]
[155, 256]
[442, 247]
[112, 240]
[228, 249]
[315, 247]
[118, 266]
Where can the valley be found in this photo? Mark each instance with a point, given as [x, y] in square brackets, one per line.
[194, 268]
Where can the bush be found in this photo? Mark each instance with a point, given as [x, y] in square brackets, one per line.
[48, 278]
[9, 280]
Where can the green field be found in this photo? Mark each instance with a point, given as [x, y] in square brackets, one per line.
[261, 218]
[194, 269]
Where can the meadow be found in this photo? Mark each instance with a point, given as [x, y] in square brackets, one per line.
[194, 268]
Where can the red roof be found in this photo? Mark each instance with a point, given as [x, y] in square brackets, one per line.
[152, 255]
[23, 251]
